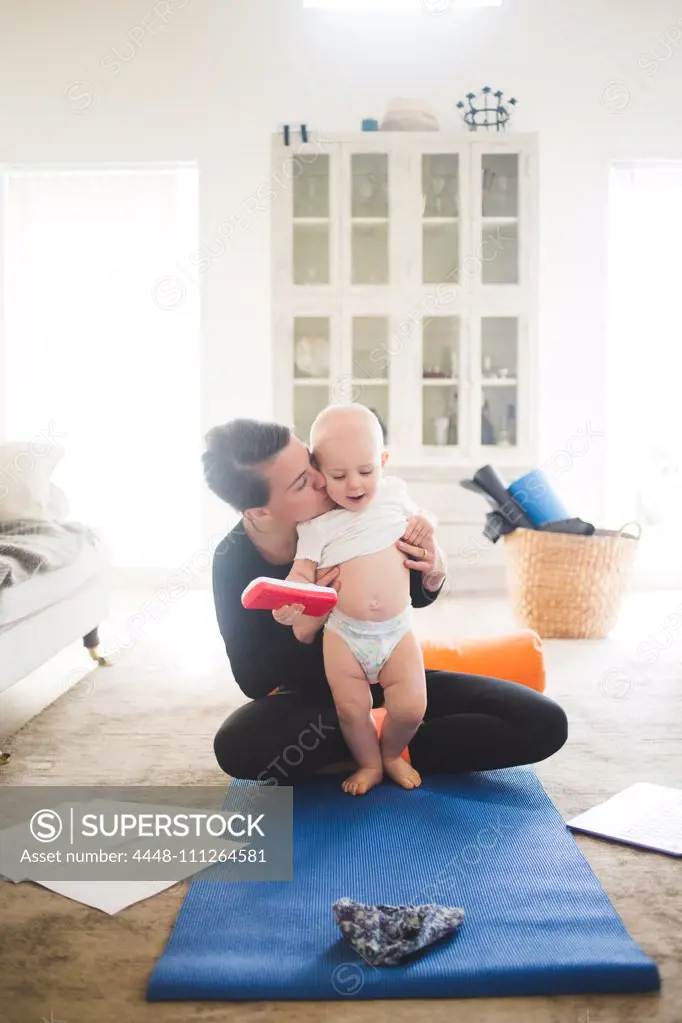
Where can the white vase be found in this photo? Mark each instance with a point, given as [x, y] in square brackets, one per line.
[441, 426]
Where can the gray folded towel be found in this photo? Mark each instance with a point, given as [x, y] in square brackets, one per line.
[384, 935]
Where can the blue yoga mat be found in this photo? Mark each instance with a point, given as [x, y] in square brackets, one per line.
[537, 921]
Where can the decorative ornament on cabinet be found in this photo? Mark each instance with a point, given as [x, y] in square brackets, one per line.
[483, 114]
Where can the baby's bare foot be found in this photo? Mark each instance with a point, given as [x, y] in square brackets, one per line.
[362, 781]
[402, 773]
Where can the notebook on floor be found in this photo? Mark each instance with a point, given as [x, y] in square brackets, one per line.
[645, 815]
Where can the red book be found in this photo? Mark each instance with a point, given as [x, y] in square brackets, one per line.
[265, 594]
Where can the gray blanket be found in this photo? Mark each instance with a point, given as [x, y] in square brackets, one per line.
[29, 546]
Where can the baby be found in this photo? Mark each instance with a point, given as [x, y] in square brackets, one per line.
[368, 636]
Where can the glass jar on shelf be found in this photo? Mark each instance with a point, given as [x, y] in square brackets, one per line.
[453, 417]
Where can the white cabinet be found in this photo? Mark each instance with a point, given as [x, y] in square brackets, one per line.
[404, 270]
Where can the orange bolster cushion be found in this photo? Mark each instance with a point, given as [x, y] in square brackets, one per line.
[516, 657]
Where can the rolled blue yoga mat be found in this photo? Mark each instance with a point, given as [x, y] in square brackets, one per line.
[535, 495]
[537, 921]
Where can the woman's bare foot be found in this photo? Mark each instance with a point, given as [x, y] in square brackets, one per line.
[402, 773]
[362, 781]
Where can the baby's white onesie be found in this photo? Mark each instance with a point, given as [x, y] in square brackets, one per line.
[340, 535]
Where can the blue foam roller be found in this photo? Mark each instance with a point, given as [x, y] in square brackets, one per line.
[537, 498]
[537, 921]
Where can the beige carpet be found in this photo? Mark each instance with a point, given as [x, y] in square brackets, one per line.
[150, 719]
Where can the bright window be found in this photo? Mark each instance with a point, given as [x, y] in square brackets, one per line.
[102, 342]
[645, 353]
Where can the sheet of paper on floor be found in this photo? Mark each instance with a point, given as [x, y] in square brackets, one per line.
[109, 896]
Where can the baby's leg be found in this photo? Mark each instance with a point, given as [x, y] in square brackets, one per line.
[353, 700]
[404, 684]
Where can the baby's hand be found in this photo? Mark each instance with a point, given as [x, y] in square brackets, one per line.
[419, 529]
[288, 614]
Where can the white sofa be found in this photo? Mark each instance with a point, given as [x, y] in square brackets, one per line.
[42, 616]
[45, 614]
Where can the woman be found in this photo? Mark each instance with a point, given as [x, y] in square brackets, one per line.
[290, 730]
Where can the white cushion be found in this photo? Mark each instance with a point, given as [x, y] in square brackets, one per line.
[58, 506]
[25, 488]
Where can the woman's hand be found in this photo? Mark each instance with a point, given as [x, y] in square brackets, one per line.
[419, 529]
[429, 558]
[329, 577]
[288, 614]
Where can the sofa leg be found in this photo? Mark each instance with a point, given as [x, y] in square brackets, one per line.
[92, 638]
[91, 643]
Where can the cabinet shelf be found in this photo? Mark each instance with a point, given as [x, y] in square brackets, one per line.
[310, 221]
[369, 220]
[440, 381]
[498, 381]
[439, 221]
[500, 220]
[439, 449]
[311, 381]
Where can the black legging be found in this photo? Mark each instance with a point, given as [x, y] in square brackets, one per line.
[472, 723]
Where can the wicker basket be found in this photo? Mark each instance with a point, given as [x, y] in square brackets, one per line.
[568, 586]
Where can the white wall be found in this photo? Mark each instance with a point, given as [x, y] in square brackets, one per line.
[208, 80]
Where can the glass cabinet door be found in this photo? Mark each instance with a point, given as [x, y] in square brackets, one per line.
[500, 212]
[364, 365]
[369, 218]
[440, 183]
[370, 348]
[441, 354]
[369, 175]
[311, 219]
[499, 380]
[311, 370]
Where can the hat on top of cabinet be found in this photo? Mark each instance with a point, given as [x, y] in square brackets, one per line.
[409, 115]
